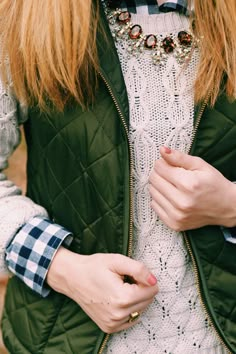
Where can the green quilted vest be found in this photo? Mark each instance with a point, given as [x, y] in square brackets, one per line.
[79, 170]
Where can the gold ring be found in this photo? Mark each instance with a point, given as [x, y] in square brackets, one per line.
[134, 316]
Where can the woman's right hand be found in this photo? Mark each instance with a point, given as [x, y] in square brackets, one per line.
[96, 283]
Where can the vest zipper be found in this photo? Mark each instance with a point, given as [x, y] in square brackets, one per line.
[195, 268]
[130, 240]
[198, 120]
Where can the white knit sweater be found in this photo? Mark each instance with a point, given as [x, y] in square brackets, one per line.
[161, 113]
[15, 209]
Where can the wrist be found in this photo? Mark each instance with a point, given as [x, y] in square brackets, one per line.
[229, 218]
[58, 275]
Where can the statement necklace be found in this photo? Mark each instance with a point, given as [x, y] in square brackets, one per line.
[123, 28]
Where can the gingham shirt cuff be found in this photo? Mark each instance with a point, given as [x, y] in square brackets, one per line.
[229, 234]
[177, 5]
[32, 250]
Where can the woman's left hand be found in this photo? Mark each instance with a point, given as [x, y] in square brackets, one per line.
[188, 193]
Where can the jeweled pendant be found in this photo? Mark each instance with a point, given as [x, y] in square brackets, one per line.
[124, 17]
[135, 32]
[168, 44]
[150, 41]
[185, 38]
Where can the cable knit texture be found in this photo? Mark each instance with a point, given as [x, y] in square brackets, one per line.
[161, 113]
[15, 209]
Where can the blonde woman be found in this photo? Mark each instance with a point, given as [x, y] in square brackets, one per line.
[125, 241]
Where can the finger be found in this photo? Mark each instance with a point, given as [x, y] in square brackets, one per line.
[140, 308]
[138, 271]
[176, 176]
[160, 199]
[136, 294]
[119, 320]
[161, 189]
[162, 214]
[127, 325]
[125, 313]
[180, 159]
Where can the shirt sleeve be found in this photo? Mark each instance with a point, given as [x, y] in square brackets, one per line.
[32, 250]
[229, 234]
[174, 5]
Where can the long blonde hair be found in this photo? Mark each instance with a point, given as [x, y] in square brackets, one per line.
[51, 46]
[216, 24]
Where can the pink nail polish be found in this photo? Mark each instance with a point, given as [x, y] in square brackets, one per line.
[167, 150]
[152, 280]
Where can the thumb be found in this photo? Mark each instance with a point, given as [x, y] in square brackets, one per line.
[180, 159]
[137, 271]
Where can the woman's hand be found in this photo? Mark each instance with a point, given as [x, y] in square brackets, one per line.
[188, 193]
[97, 284]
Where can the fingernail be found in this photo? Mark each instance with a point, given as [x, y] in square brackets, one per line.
[152, 280]
[167, 150]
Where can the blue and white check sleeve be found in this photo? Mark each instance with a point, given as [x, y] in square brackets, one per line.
[229, 234]
[30, 253]
[175, 5]
[152, 6]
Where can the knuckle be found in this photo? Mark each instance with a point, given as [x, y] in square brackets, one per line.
[193, 185]
[176, 227]
[185, 205]
[156, 290]
[153, 294]
[177, 223]
[122, 302]
[116, 257]
[117, 315]
[109, 327]
[198, 159]
[130, 296]
[178, 217]
[125, 299]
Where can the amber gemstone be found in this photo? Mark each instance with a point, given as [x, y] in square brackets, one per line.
[135, 32]
[185, 38]
[150, 41]
[124, 17]
[168, 44]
